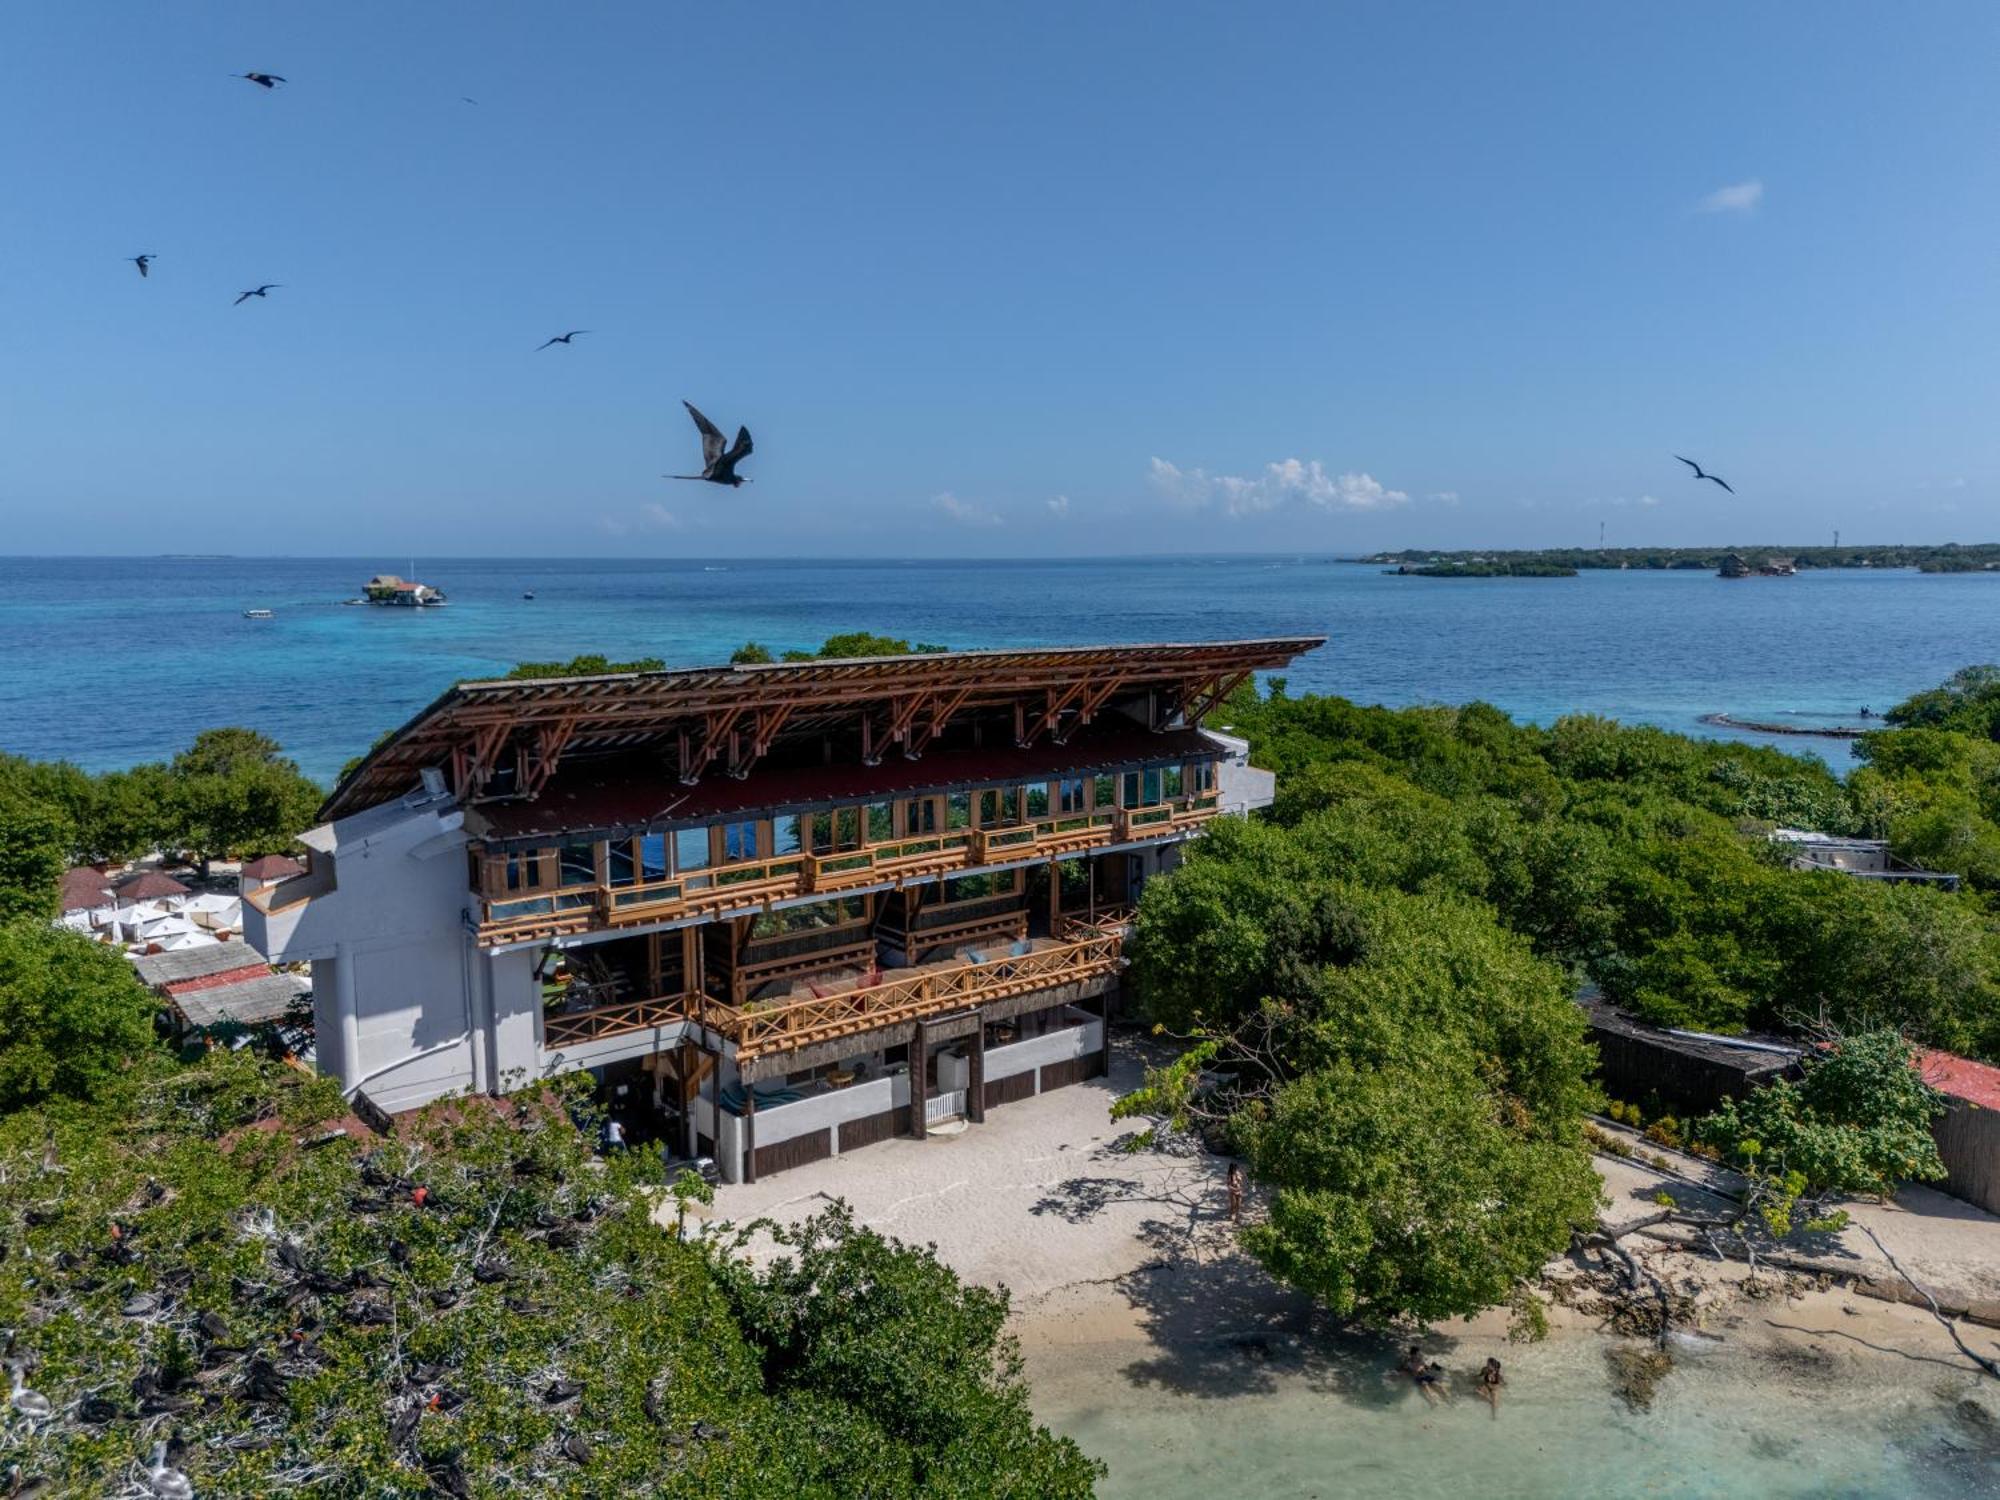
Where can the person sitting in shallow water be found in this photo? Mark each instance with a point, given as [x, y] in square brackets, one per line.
[1428, 1377]
[1490, 1381]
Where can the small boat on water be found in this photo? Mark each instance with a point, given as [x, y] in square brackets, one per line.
[258, 614]
[529, 594]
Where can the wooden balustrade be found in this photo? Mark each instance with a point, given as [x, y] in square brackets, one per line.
[754, 884]
[756, 1030]
[568, 1028]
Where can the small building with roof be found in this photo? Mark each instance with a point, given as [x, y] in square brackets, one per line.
[221, 984]
[86, 888]
[1968, 1132]
[802, 906]
[266, 869]
[148, 885]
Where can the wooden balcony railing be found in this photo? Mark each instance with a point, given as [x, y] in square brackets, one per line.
[567, 1028]
[755, 884]
[776, 1028]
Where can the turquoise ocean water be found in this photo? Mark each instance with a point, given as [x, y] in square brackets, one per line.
[111, 661]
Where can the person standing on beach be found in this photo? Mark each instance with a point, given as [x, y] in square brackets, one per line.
[1236, 1192]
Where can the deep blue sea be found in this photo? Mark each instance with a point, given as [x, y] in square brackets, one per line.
[107, 662]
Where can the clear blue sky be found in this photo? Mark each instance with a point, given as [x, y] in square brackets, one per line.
[996, 280]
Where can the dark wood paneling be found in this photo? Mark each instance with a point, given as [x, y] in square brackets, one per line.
[1062, 1074]
[1009, 1090]
[872, 1128]
[793, 1153]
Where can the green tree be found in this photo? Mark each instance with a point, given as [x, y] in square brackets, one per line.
[593, 665]
[73, 1015]
[1858, 1121]
[232, 793]
[35, 841]
[750, 654]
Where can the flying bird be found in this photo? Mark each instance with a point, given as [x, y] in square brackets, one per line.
[561, 338]
[718, 464]
[1700, 473]
[262, 80]
[141, 261]
[256, 291]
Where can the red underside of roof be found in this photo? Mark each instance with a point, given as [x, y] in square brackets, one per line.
[1961, 1077]
[630, 794]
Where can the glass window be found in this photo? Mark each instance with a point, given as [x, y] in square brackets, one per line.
[980, 887]
[653, 857]
[920, 815]
[690, 849]
[815, 916]
[999, 807]
[1069, 795]
[618, 865]
[1104, 792]
[785, 833]
[524, 871]
[578, 865]
[958, 811]
[1170, 780]
[881, 822]
[1037, 801]
[739, 841]
[1131, 789]
[1152, 787]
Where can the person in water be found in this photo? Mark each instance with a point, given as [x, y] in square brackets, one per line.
[1490, 1381]
[1428, 1377]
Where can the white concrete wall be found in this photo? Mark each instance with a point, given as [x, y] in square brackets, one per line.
[1039, 1051]
[1240, 786]
[788, 1122]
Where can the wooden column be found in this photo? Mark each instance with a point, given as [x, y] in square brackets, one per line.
[1055, 896]
[920, 1072]
[749, 1128]
[975, 1087]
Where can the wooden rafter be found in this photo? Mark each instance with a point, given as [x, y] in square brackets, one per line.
[549, 746]
[1089, 702]
[695, 757]
[765, 724]
[942, 711]
[1196, 705]
[1056, 701]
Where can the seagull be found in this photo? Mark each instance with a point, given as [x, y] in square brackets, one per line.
[561, 338]
[718, 466]
[1700, 473]
[141, 261]
[166, 1481]
[262, 80]
[256, 291]
[32, 1405]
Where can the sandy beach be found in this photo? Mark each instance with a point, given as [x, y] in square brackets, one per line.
[1147, 1335]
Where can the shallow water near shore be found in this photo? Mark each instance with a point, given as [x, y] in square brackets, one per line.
[1304, 1418]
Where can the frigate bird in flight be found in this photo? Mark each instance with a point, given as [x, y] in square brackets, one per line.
[262, 80]
[256, 291]
[1701, 473]
[141, 261]
[561, 338]
[718, 464]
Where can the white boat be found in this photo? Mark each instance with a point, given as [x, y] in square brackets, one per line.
[258, 614]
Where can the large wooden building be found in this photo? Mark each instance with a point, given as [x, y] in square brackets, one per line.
[798, 906]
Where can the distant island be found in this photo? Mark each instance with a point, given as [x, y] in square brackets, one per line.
[1486, 567]
[1565, 562]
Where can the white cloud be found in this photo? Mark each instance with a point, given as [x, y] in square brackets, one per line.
[1622, 502]
[1446, 497]
[1281, 483]
[1736, 198]
[965, 512]
[1955, 484]
[658, 516]
[1059, 507]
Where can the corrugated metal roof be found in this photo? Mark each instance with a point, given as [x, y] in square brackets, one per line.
[249, 1002]
[196, 963]
[1961, 1077]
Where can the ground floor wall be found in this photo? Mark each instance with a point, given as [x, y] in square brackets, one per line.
[1968, 1139]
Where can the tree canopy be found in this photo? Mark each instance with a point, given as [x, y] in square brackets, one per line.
[470, 1307]
[73, 1016]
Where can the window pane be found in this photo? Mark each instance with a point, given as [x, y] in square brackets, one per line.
[847, 828]
[1170, 781]
[785, 835]
[619, 866]
[881, 822]
[691, 849]
[1071, 795]
[739, 841]
[579, 864]
[1152, 787]
[653, 857]
[958, 810]
[1105, 790]
[1038, 801]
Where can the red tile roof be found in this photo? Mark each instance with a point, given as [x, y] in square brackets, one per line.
[149, 885]
[273, 867]
[83, 888]
[1961, 1077]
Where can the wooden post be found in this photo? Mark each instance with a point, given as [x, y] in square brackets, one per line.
[975, 1087]
[749, 1128]
[1055, 897]
[920, 1072]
